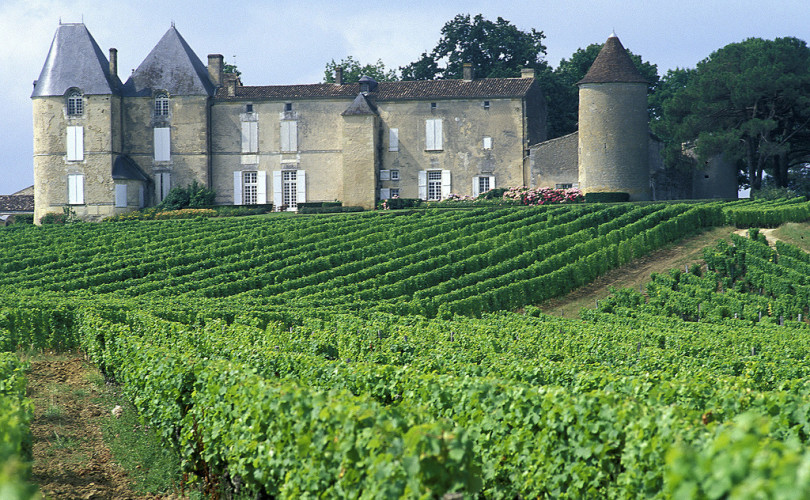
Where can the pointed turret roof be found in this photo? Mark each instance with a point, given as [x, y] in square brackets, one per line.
[613, 65]
[171, 66]
[75, 60]
[360, 106]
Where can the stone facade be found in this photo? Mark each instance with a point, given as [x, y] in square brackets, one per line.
[103, 147]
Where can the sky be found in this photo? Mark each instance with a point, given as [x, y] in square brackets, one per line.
[288, 42]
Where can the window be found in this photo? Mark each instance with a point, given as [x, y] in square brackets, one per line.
[487, 142]
[250, 137]
[482, 184]
[162, 143]
[75, 104]
[163, 184]
[75, 189]
[486, 104]
[161, 105]
[289, 188]
[434, 186]
[248, 108]
[121, 195]
[289, 135]
[75, 143]
[393, 139]
[249, 187]
[564, 186]
[433, 106]
[395, 175]
[394, 192]
[287, 106]
[433, 134]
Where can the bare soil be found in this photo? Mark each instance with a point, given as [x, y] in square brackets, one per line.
[70, 457]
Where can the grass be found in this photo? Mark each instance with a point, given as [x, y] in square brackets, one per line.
[797, 234]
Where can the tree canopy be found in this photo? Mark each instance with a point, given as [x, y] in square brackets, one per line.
[496, 49]
[353, 70]
[749, 101]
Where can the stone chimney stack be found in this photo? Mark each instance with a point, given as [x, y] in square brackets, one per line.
[216, 63]
[338, 75]
[113, 62]
[468, 72]
[527, 73]
[231, 84]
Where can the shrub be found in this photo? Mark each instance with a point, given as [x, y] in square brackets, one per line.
[398, 203]
[542, 196]
[193, 196]
[607, 197]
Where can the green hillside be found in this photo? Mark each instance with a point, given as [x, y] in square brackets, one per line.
[374, 354]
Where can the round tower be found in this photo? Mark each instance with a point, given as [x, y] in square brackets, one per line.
[613, 125]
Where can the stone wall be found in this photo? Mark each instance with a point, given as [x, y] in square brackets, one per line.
[554, 162]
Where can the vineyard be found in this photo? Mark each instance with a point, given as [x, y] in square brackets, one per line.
[379, 355]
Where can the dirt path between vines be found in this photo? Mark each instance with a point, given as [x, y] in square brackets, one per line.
[636, 274]
[70, 457]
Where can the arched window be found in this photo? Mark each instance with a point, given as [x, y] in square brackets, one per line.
[75, 104]
[161, 105]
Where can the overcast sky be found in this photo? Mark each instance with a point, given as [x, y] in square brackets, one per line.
[274, 42]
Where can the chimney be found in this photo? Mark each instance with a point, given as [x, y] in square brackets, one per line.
[338, 75]
[113, 62]
[215, 66]
[527, 73]
[231, 84]
[468, 72]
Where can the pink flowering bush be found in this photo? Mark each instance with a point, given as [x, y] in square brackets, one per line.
[543, 196]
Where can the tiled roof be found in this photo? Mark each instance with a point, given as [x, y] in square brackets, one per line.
[613, 65]
[387, 91]
[75, 60]
[171, 66]
[17, 203]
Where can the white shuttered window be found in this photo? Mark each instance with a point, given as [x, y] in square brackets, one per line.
[121, 195]
[393, 139]
[289, 135]
[163, 184]
[75, 143]
[75, 189]
[162, 143]
[482, 184]
[250, 137]
[433, 134]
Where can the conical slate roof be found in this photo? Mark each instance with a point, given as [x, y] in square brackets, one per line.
[360, 106]
[171, 66]
[613, 65]
[75, 60]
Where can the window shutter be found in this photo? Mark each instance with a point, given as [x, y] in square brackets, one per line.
[75, 143]
[476, 187]
[261, 187]
[491, 182]
[385, 175]
[246, 135]
[289, 135]
[393, 139]
[437, 129]
[141, 197]
[301, 186]
[430, 135]
[121, 195]
[165, 184]
[237, 188]
[385, 193]
[445, 183]
[487, 142]
[277, 200]
[162, 143]
[422, 178]
[75, 189]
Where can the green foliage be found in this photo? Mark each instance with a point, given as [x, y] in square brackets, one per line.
[496, 49]
[192, 196]
[16, 444]
[353, 70]
[606, 197]
[748, 101]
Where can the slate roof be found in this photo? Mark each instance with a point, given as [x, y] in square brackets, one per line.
[17, 203]
[389, 91]
[360, 106]
[125, 168]
[171, 66]
[613, 65]
[75, 60]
